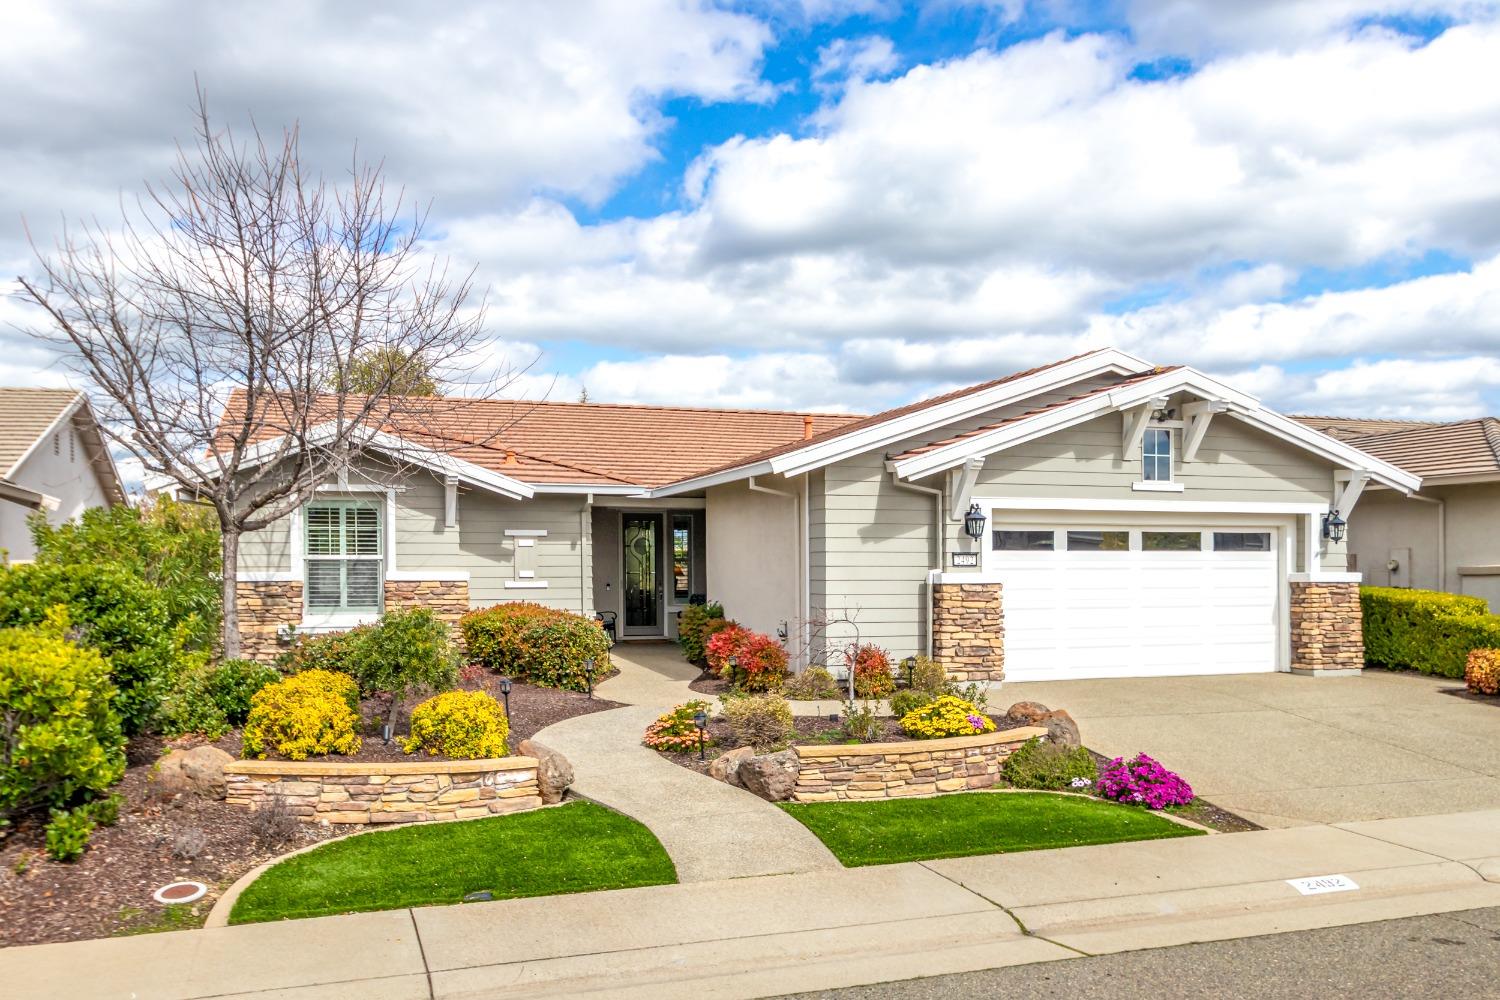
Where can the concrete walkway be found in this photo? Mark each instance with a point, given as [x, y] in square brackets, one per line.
[651, 673]
[1285, 751]
[771, 935]
[710, 829]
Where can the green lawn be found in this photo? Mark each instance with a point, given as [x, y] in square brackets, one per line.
[956, 826]
[578, 847]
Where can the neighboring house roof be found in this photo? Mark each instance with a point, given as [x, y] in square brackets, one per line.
[1348, 428]
[28, 416]
[1466, 448]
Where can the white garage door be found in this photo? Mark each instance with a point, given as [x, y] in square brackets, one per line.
[1163, 600]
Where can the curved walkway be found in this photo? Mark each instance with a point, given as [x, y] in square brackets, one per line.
[710, 829]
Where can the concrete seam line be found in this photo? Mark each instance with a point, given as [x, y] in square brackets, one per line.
[238, 994]
[1395, 843]
[421, 950]
[1020, 924]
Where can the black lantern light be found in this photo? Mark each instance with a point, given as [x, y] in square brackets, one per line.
[1333, 526]
[505, 694]
[783, 631]
[588, 675]
[734, 667]
[974, 522]
[910, 663]
[700, 719]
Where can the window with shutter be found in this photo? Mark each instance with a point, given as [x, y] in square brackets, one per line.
[345, 565]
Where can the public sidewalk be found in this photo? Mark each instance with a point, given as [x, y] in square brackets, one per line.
[777, 934]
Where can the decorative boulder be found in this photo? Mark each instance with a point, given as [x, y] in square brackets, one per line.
[1027, 713]
[554, 773]
[772, 777]
[726, 766]
[1061, 729]
[199, 771]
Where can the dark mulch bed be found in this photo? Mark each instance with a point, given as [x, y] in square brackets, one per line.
[710, 684]
[1199, 810]
[108, 890]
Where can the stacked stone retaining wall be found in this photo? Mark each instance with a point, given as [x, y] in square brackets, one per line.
[899, 770]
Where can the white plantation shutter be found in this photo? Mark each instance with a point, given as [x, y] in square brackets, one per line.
[344, 556]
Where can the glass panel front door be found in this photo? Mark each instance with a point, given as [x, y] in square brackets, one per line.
[643, 587]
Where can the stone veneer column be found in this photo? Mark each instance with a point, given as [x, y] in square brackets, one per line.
[448, 599]
[264, 608]
[968, 630]
[1327, 629]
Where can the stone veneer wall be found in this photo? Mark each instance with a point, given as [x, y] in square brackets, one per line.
[448, 599]
[264, 608]
[897, 770]
[1327, 627]
[333, 792]
[968, 630]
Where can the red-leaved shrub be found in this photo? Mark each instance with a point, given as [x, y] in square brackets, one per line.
[760, 661]
[872, 672]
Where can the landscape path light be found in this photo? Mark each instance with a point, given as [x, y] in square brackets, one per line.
[700, 719]
[505, 693]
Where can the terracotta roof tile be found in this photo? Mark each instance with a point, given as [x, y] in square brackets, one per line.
[1464, 448]
[1348, 428]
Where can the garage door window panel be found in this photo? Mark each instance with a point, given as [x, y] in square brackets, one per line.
[1171, 541]
[1098, 541]
[1023, 541]
[1242, 541]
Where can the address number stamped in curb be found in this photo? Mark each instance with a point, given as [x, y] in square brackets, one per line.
[1322, 883]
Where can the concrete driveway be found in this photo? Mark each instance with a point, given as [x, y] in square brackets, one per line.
[1284, 750]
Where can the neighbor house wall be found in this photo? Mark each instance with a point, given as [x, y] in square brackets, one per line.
[67, 476]
[753, 553]
[1384, 525]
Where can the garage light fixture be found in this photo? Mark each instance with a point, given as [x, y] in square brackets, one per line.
[1333, 526]
[974, 522]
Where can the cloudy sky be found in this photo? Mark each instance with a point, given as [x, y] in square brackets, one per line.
[848, 205]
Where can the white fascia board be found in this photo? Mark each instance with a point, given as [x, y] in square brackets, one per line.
[594, 488]
[712, 479]
[1100, 504]
[886, 432]
[400, 448]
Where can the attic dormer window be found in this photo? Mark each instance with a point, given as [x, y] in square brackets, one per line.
[1156, 455]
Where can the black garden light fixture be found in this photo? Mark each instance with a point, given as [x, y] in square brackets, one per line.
[974, 522]
[1333, 526]
[910, 663]
[700, 719]
[505, 694]
[588, 675]
[733, 663]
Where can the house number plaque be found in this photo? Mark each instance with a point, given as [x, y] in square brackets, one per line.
[961, 559]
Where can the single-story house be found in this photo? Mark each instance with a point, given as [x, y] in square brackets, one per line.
[1447, 536]
[1095, 517]
[53, 458]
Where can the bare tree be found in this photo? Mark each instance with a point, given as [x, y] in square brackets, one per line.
[224, 323]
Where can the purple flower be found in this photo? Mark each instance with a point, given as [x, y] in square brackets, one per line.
[1143, 781]
[976, 722]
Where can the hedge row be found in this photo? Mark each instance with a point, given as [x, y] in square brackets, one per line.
[544, 645]
[1425, 630]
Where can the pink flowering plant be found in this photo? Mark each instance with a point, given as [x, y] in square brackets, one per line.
[1143, 781]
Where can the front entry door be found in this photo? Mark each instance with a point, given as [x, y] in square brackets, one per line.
[643, 579]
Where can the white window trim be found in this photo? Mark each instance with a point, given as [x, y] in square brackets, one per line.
[1171, 456]
[386, 557]
[1157, 486]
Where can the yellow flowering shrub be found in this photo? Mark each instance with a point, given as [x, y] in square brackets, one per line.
[946, 716]
[466, 725]
[307, 714]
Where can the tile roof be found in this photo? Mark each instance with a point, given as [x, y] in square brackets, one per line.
[985, 429]
[25, 415]
[1463, 448]
[1349, 428]
[600, 444]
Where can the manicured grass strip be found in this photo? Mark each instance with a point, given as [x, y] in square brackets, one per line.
[578, 847]
[957, 826]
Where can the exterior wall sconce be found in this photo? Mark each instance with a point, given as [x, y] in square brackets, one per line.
[783, 631]
[974, 522]
[1333, 526]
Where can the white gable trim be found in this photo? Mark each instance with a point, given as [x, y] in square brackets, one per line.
[928, 418]
[438, 462]
[1238, 404]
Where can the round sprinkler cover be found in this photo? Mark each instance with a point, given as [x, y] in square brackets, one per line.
[180, 892]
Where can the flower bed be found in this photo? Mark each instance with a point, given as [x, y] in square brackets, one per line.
[325, 791]
[915, 767]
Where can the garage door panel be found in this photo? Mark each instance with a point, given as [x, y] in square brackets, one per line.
[1133, 613]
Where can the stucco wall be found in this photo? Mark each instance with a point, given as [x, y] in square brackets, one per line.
[67, 475]
[1387, 526]
[753, 554]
